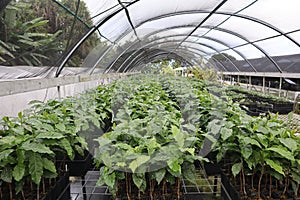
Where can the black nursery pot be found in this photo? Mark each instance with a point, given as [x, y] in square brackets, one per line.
[229, 189]
[283, 107]
[61, 189]
[81, 164]
[212, 169]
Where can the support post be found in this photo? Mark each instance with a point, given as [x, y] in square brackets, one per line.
[250, 81]
[280, 86]
[264, 85]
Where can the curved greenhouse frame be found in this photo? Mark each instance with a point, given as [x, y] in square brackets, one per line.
[149, 99]
[236, 28]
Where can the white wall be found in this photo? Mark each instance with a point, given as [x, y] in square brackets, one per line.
[10, 105]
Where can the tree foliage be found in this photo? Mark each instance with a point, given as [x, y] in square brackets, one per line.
[223, 57]
[205, 74]
[38, 33]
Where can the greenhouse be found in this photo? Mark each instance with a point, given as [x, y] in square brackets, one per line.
[150, 100]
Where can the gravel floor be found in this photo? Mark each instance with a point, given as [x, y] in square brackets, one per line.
[295, 122]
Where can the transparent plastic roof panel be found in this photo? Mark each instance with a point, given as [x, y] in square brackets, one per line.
[259, 34]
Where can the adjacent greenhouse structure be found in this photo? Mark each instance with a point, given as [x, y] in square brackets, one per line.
[156, 100]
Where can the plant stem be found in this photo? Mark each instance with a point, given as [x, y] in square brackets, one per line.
[266, 177]
[252, 180]
[44, 185]
[10, 191]
[296, 192]
[286, 183]
[151, 189]
[178, 188]
[259, 181]
[163, 188]
[139, 194]
[270, 188]
[127, 186]
[244, 181]
[23, 195]
[31, 186]
[38, 192]
[241, 183]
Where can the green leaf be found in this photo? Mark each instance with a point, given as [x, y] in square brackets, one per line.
[138, 162]
[28, 42]
[170, 178]
[175, 168]
[283, 152]
[263, 130]
[35, 23]
[65, 144]
[226, 133]
[159, 175]
[48, 127]
[246, 151]
[100, 181]
[49, 165]
[236, 168]
[106, 159]
[214, 127]
[263, 139]
[248, 140]
[49, 135]
[189, 150]
[178, 136]
[152, 146]
[290, 143]
[139, 180]
[4, 49]
[60, 127]
[18, 130]
[189, 172]
[7, 140]
[190, 127]
[82, 141]
[296, 176]
[35, 122]
[20, 156]
[109, 179]
[6, 174]
[19, 186]
[95, 121]
[20, 115]
[19, 171]
[36, 167]
[37, 147]
[274, 166]
[4, 154]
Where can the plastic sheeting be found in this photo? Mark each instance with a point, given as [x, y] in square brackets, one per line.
[254, 32]
[259, 34]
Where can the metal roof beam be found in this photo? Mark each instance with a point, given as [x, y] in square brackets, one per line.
[84, 38]
[203, 21]
[249, 42]
[147, 45]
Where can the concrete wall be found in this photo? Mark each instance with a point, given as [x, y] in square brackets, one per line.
[15, 95]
